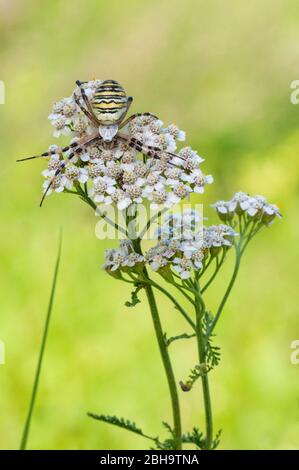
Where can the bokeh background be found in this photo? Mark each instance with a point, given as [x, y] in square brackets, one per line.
[222, 72]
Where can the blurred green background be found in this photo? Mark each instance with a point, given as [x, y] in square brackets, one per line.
[222, 72]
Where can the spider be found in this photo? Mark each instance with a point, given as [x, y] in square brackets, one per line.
[106, 111]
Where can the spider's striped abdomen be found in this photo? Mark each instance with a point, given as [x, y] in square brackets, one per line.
[109, 102]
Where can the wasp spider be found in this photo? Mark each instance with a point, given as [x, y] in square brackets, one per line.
[105, 109]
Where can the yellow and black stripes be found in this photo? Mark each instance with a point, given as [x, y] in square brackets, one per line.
[109, 102]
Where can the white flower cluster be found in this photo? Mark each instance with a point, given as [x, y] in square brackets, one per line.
[116, 174]
[184, 247]
[66, 116]
[255, 207]
[123, 257]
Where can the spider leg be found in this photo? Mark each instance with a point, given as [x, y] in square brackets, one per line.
[76, 151]
[129, 102]
[148, 150]
[50, 152]
[84, 141]
[92, 116]
[134, 116]
[57, 172]
[87, 113]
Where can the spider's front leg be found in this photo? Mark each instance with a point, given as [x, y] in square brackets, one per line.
[51, 152]
[89, 111]
[77, 151]
[84, 141]
[148, 150]
[134, 116]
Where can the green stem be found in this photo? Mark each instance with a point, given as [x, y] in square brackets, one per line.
[205, 267]
[218, 266]
[159, 335]
[175, 302]
[167, 366]
[239, 250]
[177, 427]
[82, 194]
[152, 220]
[252, 233]
[181, 289]
[238, 254]
[200, 310]
[41, 354]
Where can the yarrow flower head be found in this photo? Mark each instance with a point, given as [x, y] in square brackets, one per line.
[180, 226]
[122, 258]
[184, 246]
[254, 208]
[115, 173]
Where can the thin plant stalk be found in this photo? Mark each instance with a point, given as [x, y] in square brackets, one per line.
[239, 250]
[130, 231]
[228, 290]
[200, 311]
[26, 430]
[175, 302]
[217, 268]
[177, 426]
[157, 326]
[84, 196]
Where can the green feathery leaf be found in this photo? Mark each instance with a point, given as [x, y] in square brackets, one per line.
[167, 444]
[134, 297]
[120, 422]
[195, 437]
[170, 340]
[216, 441]
[198, 371]
[212, 352]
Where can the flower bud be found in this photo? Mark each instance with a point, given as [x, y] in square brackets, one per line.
[116, 274]
[185, 387]
[166, 273]
[215, 250]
